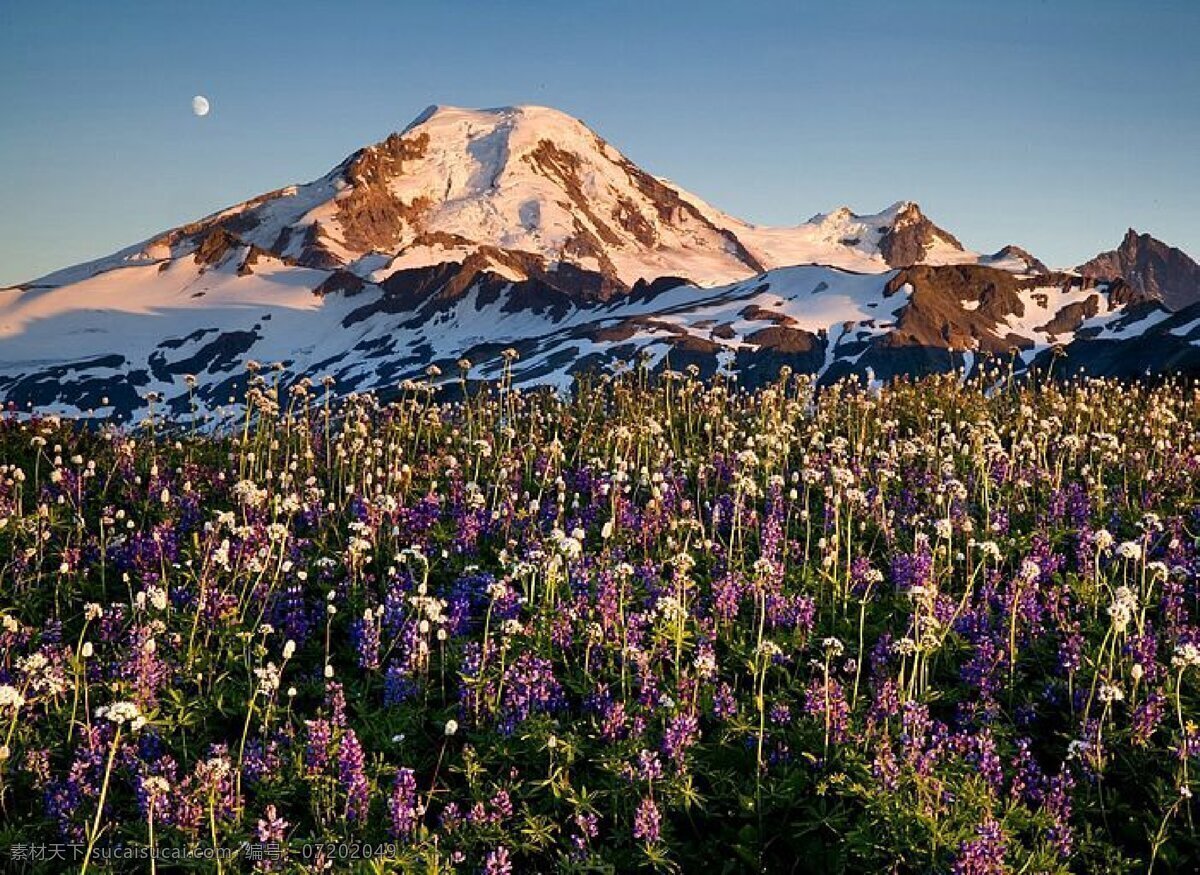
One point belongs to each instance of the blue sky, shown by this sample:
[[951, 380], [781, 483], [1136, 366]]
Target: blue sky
[[1054, 125]]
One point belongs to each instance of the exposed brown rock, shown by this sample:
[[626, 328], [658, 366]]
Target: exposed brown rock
[[782, 339], [314, 253], [1151, 269], [592, 238], [690, 343], [911, 236], [935, 317], [371, 217], [1070, 317], [215, 245], [756, 313], [340, 281], [615, 333]]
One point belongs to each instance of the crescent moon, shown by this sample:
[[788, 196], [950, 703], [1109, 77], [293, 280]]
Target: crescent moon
[[200, 105]]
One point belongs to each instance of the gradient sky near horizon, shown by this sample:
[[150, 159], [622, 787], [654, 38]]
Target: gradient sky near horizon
[[1053, 125]]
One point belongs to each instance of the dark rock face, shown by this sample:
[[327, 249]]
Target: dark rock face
[[1070, 317], [342, 281], [935, 315], [215, 245], [372, 218], [1150, 268], [965, 306], [911, 237]]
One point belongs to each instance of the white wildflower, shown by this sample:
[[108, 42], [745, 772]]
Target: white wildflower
[[1124, 606], [1186, 656], [1131, 550], [10, 698]]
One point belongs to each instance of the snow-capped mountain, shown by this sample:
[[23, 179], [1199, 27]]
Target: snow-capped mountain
[[474, 230]]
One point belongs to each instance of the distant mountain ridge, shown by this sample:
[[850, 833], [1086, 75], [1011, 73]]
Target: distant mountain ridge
[[472, 230]]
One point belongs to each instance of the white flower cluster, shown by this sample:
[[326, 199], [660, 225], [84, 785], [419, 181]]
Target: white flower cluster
[[121, 713], [10, 698], [249, 493], [670, 610], [990, 549], [268, 679], [1124, 606], [41, 675], [570, 546], [1186, 656], [833, 646], [1130, 550]]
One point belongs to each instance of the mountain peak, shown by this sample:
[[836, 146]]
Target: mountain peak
[[911, 238], [910, 210], [1016, 260], [442, 120], [1151, 268]]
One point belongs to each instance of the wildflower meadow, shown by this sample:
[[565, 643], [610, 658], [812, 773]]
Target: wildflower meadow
[[664, 624]]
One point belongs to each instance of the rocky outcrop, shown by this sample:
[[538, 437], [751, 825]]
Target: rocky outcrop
[[935, 315], [340, 282], [1150, 268], [912, 236], [215, 246], [370, 216]]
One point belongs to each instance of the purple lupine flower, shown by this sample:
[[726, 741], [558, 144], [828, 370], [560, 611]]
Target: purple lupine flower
[[291, 613], [335, 699], [985, 759], [529, 688], [498, 863], [1056, 801], [588, 827], [647, 822], [320, 737], [724, 703], [727, 593], [403, 805], [271, 827], [1028, 779], [271, 830], [364, 634], [826, 699], [1146, 717], [260, 760], [682, 732], [884, 767], [451, 817], [398, 684], [353, 778], [983, 855], [501, 805], [649, 766]]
